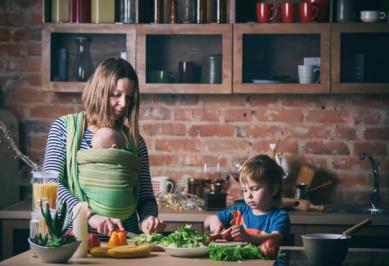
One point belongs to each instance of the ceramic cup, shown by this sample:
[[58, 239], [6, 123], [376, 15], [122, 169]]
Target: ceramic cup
[[308, 74], [162, 184], [370, 16]]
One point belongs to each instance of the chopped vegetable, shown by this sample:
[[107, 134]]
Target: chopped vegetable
[[153, 238], [237, 253], [185, 237]]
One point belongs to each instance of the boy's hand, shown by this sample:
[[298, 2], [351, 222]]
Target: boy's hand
[[239, 234], [215, 225]]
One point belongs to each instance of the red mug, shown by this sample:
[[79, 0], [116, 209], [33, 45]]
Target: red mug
[[308, 12], [266, 12], [324, 10], [288, 12]]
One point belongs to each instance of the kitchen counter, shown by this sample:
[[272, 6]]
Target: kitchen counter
[[295, 256], [22, 209]]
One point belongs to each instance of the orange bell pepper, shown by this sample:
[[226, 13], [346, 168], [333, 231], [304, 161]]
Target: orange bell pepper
[[114, 240], [123, 237]]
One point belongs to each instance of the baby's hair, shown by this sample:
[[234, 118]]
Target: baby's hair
[[264, 170]]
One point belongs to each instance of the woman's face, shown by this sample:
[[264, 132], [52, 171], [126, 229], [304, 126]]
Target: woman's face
[[121, 97]]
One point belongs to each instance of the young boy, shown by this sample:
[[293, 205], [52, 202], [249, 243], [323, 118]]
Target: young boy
[[259, 218], [106, 137]]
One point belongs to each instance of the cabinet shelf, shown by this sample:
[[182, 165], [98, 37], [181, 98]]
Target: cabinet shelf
[[162, 47], [266, 57], [106, 41], [360, 58]]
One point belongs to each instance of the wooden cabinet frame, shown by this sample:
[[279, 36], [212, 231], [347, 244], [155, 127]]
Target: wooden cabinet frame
[[340, 87], [49, 28], [225, 30], [323, 29]]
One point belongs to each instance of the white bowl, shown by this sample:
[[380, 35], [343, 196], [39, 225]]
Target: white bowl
[[186, 252], [54, 255]]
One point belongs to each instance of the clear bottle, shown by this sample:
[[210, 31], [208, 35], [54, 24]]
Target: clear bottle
[[83, 67]]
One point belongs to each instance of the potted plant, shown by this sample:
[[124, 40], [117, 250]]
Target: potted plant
[[57, 245]]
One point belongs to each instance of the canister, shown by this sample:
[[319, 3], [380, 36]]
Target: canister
[[80, 11], [60, 11], [103, 11], [212, 69], [44, 188], [127, 11]]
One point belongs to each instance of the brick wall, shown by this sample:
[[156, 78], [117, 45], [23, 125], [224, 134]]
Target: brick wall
[[183, 132]]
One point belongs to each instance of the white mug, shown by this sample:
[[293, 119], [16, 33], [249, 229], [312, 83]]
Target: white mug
[[308, 74], [162, 184], [370, 16]]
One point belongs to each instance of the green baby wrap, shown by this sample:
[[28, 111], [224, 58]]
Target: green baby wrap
[[105, 178]]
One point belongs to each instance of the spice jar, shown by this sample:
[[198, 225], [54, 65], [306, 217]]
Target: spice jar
[[201, 11], [221, 11], [301, 191], [127, 11], [195, 187]]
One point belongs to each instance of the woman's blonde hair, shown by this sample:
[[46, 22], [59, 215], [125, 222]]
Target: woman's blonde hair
[[97, 92], [264, 170]]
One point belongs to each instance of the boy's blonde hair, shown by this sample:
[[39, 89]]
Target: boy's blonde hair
[[264, 170], [97, 92]]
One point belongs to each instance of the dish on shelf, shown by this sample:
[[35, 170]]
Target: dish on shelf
[[265, 81], [186, 252]]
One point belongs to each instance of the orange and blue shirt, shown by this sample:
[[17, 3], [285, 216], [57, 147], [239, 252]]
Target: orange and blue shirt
[[242, 214]]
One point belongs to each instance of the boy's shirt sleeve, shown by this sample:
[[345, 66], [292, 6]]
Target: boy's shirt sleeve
[[225, 217], [281, 223]]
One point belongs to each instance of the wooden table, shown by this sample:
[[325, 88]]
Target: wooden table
[[156, 259]]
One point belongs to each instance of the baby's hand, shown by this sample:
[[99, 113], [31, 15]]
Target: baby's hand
[[114, 146]]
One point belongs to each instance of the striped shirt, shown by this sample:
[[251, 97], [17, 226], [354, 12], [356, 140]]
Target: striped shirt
[[55, 160]]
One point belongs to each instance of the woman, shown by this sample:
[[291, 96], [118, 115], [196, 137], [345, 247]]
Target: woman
[[110, 99]]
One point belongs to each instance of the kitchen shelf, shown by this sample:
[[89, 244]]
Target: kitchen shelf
[[270, 53], [360, 58], [161, 47], [106, 41]]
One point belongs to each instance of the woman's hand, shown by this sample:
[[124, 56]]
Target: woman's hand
[[105, 225], [152, 224]]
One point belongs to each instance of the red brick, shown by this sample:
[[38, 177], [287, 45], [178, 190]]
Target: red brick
[[33, 79], [234, 115], [65, 98], [341, 132], [166, 129], [262, 147], [376, 134], [12, 50], [212, 130], [324, 116], [24, 94], [263, 100], [373, 148], [46, 111], [224, 100], [163, 160], [349, 163], [373, 102], [287, 146], [316, 161], [329, 148], [24, 4], [254, 131], [198, 160], [31, 64], [12, 19], [36, 19], [305, 131], [176, 145], [352, 181], [34, 48], [283, 115], [220, 145], [19, 35], [5, 35], [155, 113], [301, 101], [367, 118], [196, 114], [36, 141]]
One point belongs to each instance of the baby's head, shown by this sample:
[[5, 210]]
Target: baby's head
[[264, 171], [106, 137]]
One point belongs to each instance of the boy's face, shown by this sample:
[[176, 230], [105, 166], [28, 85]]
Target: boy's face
[[257, 196]]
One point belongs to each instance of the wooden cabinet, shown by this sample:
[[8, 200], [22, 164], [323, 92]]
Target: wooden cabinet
[[163, 47], [105, 40], [255, 58], [360, 58], [266, 57]]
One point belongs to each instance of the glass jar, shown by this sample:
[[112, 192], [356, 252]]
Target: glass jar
[[301, 191], [83, 67], [185, 11], [212, 69], [127, 11], [221, 11], [201, 11], [37, 225], [44, 188]]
